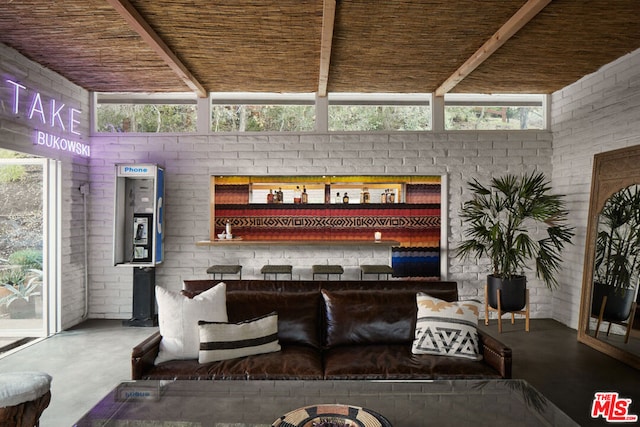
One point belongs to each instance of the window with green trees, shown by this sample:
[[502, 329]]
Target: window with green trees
[[262, 118], [463, 111], [493, 117], [379, 117], [241, 112], [147, 118]]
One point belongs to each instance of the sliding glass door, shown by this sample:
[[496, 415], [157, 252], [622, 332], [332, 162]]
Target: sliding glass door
[[27, 295]]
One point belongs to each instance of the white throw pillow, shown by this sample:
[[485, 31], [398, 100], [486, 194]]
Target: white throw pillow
[[222, 341], [447, 328], [178, 318]]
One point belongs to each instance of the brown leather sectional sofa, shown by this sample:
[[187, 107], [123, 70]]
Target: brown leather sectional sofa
[[330, 330]]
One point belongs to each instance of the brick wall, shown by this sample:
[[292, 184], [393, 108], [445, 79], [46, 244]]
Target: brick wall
[[17, 133], [598, 113], [189, 161]]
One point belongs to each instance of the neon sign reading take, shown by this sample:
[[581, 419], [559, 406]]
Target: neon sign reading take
[[54, 114]]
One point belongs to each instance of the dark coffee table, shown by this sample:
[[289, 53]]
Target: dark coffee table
[[260, 403]]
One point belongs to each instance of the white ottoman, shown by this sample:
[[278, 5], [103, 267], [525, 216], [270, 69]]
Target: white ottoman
[[23, 397]]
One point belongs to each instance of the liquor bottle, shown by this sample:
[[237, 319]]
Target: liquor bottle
[[366, 197], [383, 198], [338, 198], [297, 195], [270, 196], [305, 196], [392, 196], [345, 199], [279, 196], [228, 227]]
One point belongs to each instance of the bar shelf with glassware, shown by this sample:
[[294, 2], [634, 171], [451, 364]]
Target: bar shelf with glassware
[[400, 212]]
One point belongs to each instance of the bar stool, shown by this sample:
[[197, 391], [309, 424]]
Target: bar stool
[[327, 269], [224, 269], [23, 397], [378, 269], [276, 269]]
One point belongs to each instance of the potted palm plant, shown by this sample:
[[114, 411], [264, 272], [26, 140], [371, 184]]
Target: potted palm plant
[[617, 257], [503, 220]]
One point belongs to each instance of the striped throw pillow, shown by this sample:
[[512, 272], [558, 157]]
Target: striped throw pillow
[[222, 341], [447, 328]]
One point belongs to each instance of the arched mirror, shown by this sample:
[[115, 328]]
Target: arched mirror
[[609, 315]]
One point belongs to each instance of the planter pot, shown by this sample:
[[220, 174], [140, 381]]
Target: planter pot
[[513, 292], [22, 309], [618, 305]]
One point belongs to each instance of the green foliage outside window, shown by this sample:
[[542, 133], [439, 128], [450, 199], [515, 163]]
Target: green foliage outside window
[[150, 118], [11, 173], [27, 258], [493, 118], [379, 118], [262, 118], [181, 118]]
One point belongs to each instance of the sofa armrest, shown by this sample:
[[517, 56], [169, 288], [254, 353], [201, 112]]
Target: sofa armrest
[[143, 355], [496, 354]]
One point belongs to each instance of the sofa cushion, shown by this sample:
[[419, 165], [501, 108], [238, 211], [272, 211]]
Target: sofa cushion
[[178, 318], [396, 362], [374, 362], [298, 313], [221, 341], [292, 362], [447, 328], [369, 317]]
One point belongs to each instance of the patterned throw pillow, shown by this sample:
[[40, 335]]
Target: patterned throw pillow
[[222, 341], [447, 328]]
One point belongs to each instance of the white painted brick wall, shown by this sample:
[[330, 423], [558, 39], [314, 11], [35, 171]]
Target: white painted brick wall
[[600, 112], [18, 135], [189, 161]]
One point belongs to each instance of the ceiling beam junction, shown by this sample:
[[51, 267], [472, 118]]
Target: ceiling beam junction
[[328, 20], [526, 13], [142, 27]]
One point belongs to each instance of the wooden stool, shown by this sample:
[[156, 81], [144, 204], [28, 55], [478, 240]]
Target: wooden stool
[[224, 269], [488, 308], [327, 269], [276, 269], [375, 269], [23, 398]]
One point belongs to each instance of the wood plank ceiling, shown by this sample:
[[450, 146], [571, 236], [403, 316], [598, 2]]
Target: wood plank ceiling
[[396, 46]]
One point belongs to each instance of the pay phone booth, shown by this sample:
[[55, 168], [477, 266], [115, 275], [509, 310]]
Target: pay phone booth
[[137, 232]]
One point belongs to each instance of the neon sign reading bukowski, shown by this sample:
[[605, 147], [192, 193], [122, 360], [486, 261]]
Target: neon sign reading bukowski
[[53, 115]]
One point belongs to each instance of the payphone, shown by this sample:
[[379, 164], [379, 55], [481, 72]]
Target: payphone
[[139, 195], [142, 238], [138, 233]]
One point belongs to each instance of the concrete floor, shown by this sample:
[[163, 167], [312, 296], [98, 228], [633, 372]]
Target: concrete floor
[[85, 362], [91, 359]]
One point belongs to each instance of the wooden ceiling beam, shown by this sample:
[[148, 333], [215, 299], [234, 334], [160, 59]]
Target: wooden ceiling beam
[[328, 21], [526, 13], [142, 27]]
